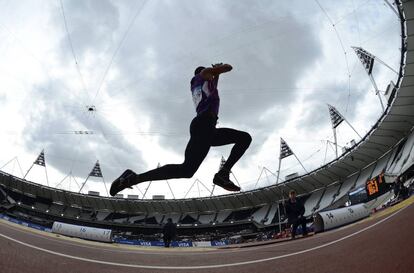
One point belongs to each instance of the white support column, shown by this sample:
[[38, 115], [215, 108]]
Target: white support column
[[353, 128], [205, 187], [24, 177], [300, 163], [145, 193], [258, 179], [336, 142], [47, 178], [107, 192], [278, 214], [377, 92], [170, 189], [192, 185], [212, 190], [278, 171], [58, 184], [83, 184]]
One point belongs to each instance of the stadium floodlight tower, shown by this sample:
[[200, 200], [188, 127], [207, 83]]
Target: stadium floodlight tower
[[336, 119], [285, 151], [96, 172], [41, 161], [367, 59]]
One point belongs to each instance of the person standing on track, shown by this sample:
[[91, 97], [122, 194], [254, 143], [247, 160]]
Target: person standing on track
[[203, 135], [169, 232], [295, 211]]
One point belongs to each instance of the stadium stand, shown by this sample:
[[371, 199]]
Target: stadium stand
[[328, 197], [4, 198], [121, 220], [118, 217], [364, 176], [56, 208], [240, 215], [41, 206], [176, 217], [207, 218], [189, 219], [222, 215], [87, 214], [381, 165], [101, 215], [151, 220], [133, 219], [312, 202], [159, 218], [402, 158], [346, 186], [272, 214], [260, 214], [72, 212]]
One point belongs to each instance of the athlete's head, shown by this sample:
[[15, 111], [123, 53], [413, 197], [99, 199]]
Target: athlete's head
[[198, 70], [292, 194]]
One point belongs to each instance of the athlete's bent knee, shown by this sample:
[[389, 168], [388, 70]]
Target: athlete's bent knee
[[246, 139]]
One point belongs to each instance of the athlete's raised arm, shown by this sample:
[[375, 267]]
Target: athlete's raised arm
[[210, 72]]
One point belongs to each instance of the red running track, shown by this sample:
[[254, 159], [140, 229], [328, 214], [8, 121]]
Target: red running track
[[382, 244]]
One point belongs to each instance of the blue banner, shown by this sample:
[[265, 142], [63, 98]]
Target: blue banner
[[24, 223], [219, 243], [161, 244], [152, 243]]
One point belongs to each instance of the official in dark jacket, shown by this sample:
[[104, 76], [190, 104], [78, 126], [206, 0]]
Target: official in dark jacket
[[295, 210], [169, 231]]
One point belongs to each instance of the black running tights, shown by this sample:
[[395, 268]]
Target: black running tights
[[204, 135]]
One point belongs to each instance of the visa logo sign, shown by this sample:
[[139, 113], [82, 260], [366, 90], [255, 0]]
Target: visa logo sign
[[184, 244], [145, 243]]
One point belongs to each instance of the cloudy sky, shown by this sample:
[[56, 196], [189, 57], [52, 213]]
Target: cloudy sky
[[132, 61]]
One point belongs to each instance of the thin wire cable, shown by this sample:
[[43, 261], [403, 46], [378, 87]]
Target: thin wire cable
[[33, 56], [343, 48], [351, 12], [117, 49], [121, 133], [73, 50], [357, 21]]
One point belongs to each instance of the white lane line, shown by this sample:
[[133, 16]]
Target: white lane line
[[216, 251], [204, 266]]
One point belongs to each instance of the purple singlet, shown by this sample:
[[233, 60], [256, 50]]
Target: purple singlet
[[205, 95]]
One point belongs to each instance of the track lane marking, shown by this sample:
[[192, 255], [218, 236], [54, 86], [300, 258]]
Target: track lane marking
[[217, 251]]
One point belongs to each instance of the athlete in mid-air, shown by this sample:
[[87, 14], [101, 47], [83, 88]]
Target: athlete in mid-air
[[203, 135]]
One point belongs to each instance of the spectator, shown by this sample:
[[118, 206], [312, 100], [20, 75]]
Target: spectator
[[169, 231], [295, 210], [400, 191], [397, 186]]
